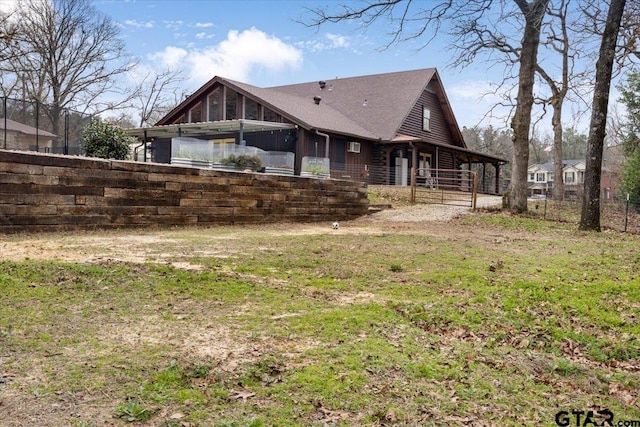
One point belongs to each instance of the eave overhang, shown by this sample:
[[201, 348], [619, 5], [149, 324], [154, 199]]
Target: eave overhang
[[470, 154], [223, 127]]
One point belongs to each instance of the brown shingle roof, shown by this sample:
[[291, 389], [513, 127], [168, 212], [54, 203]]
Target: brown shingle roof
[[303, 109], [378, 102], [370, 107]]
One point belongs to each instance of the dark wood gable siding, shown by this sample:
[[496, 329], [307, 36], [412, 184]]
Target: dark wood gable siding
[[440, 131]]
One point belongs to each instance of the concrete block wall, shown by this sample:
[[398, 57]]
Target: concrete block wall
[[41, 192]]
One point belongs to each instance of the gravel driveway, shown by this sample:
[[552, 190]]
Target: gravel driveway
[[431, 212]]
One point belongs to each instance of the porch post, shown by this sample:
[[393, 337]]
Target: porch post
[[484, 176], [388, 163], [414, 157], [144, 156], [242, 141]]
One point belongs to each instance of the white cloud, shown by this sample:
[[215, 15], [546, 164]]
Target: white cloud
[[471, 100], [136, 24], [328, 41], [173, 25], [172, 57], [204, 24], [474, 90], [236, 57], [337, 40], [204, 35]]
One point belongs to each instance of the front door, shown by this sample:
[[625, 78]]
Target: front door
[[402, 171]]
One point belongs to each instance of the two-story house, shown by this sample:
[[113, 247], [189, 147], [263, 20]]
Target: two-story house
[[541, 179], [374, 128]]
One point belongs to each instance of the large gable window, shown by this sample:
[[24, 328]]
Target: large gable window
[[231, 105], [215, 106], [250, 109], [426, 119], [195, 114], [270, 116]]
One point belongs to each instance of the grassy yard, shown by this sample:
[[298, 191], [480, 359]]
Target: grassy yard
[[488, 320]]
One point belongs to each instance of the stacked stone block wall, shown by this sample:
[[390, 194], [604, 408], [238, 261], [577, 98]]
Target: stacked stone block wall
[[49, 193]]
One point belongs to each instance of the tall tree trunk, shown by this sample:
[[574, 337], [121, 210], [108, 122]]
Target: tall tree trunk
[[590, 217], [521, 124], [558, 176]]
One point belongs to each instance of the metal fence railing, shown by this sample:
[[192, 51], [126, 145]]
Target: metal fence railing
[[383, 175], [33, 126], [618, 214], [444, 186]]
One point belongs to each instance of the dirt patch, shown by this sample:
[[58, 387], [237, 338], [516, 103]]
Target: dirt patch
[[142, 246]]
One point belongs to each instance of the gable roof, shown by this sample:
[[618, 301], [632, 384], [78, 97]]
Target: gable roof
[[303, 110], [378, 102], [548, 166], [370, 107]]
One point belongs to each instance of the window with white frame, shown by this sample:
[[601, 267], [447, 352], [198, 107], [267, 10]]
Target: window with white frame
[[426, 119], [541, 177], [532, 176], [569, 177]]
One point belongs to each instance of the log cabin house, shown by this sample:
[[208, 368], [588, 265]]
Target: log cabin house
[[372, 128]]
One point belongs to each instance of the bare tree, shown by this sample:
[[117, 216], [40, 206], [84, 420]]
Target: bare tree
[[539, 148], [156, 95], [472, 32], [590, 215], [8, 35], [558, 39], [67, 56], [533, 13]]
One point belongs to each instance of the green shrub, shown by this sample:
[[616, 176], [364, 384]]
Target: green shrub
[[106, 141]]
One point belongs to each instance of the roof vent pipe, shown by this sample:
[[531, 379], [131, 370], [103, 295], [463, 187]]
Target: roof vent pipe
[[322, 84], [317, 100]]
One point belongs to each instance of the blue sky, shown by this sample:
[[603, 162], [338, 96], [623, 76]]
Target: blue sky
[[260, 42]]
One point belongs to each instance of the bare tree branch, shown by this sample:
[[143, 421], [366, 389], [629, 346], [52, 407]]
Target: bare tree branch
[[68, 55]]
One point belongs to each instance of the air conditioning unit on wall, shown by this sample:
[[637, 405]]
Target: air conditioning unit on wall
[[353, 147]]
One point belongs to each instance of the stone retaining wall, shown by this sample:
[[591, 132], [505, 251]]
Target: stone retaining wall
[[48, 193]]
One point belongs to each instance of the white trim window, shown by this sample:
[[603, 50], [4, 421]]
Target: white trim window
[[569, 177], [541, 177], [426, 119]]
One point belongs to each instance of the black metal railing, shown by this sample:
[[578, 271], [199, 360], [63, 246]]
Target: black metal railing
[[34, 126]]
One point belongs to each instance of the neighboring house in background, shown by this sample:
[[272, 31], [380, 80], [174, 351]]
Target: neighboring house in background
[[374, 128], [18, 136], [541, 178]]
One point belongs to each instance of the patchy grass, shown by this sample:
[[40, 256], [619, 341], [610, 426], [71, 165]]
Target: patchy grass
[[488, 320]]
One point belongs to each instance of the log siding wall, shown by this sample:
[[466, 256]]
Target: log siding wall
[[50, 193], [439, 129]]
